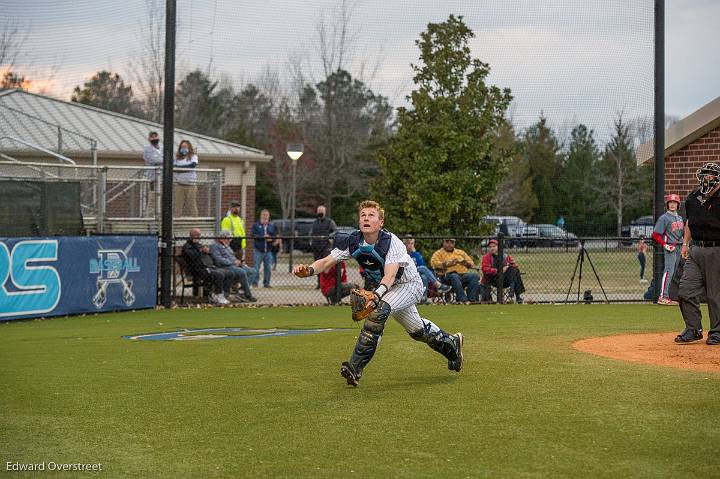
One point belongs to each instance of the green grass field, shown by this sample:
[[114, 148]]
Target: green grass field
[[526, 405]]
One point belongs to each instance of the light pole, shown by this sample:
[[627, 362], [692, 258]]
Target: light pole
[[294, 151]]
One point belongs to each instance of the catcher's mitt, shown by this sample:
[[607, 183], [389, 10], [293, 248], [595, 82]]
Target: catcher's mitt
[[304, 271], [362, 303]]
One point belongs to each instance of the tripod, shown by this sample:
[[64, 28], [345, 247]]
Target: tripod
[[582, 253]]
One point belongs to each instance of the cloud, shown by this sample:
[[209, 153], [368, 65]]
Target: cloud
[[570, 59]]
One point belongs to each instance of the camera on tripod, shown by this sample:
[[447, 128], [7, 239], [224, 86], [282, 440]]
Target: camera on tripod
[[587, 296]]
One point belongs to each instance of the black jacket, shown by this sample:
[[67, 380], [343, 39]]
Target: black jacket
[[197, 261]]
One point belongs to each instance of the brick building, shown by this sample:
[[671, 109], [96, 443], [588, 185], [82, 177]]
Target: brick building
[[689, 143]]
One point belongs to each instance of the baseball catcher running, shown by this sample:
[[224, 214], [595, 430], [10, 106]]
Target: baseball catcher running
[[396, 289]]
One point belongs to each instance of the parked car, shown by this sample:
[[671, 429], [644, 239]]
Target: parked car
[[507, 225], [547, 235], [529, 235], [639, 227], [513, 224], [554, 236], [302, 231]]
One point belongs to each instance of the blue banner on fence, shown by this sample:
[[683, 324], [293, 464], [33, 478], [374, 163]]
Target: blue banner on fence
[[71, 275]]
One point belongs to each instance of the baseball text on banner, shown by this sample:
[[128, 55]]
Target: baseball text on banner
[[70, 275]]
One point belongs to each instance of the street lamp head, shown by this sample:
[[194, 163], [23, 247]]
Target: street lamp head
[[295, 150]]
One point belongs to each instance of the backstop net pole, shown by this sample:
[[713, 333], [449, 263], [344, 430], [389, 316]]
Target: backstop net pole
[[166, 265], [658, 257]]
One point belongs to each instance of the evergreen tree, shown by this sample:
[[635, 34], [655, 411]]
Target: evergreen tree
[[542, 149], [197, 105], [107, 91], [441, 170], [620, 184], [580, 205], [515, 196]]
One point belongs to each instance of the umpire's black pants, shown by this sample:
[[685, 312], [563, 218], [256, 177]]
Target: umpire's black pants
[[701, 275]]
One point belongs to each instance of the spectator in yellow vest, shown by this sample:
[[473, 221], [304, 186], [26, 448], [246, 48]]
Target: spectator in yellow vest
[[235, 224]]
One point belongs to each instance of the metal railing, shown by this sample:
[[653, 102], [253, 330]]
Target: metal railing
[[123, 199], [34, 147]]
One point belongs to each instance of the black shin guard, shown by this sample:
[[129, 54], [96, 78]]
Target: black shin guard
[[369, 338], [441, 342], [364, 350]]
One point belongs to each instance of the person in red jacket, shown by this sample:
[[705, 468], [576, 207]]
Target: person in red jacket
[[491, 263], [328, 281]]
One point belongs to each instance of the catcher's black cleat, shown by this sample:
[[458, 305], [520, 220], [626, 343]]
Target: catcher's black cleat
[[689, 336], [349, 374], [713, 339], [457, 364]]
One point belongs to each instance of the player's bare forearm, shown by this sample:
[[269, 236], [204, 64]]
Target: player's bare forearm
[[390, 272], [323, 264], [317, 267]]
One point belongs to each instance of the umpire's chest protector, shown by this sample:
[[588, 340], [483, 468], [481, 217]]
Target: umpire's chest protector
[[370, 256]]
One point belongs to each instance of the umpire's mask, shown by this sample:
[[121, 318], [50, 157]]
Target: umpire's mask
[[709, 178]]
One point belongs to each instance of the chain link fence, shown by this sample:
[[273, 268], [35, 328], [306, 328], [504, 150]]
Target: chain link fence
[[599, 269]]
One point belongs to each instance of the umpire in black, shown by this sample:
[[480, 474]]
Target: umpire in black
[[701, 249]]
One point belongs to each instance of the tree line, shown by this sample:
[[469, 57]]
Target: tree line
[[437, 166]]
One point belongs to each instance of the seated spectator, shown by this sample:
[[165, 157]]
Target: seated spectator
[[328, 281], [511, 273], [224, 258], [426, 274], [453, 267], [201, 267]]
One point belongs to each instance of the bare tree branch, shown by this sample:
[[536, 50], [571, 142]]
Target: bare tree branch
[[12, 39], [147, 70]]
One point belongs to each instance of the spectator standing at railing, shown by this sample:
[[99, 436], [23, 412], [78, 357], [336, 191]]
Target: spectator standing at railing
[[668, 233], [152, 156], [264, 236], [186, 181], [235, 224]]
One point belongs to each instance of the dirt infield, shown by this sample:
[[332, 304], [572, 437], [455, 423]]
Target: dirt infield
[[655, 348]]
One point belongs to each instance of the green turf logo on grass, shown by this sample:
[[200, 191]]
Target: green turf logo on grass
[[225, 333]]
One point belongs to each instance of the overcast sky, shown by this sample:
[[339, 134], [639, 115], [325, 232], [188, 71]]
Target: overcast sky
[[576, 61]]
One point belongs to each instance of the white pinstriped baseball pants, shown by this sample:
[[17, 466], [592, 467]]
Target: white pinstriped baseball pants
[[402, 299]]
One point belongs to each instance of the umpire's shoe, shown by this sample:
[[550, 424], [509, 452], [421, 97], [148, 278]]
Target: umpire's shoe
[[713, 339], [347, 371], [457, 364], [689, 336]]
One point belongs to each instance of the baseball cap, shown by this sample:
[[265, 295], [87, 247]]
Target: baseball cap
[[235, 204], [492, 241], [449, 239]]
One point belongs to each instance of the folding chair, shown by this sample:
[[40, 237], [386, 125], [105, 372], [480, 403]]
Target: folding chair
[[185, 280]]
